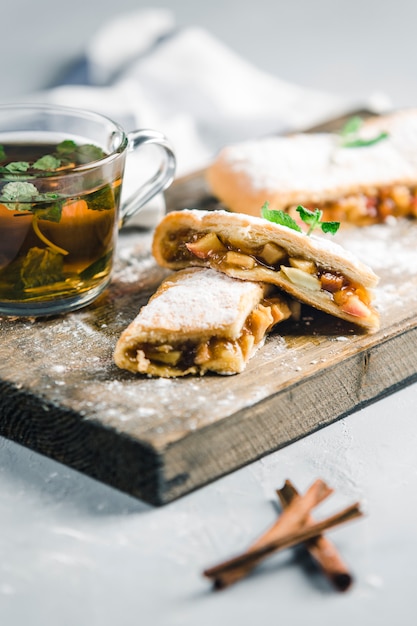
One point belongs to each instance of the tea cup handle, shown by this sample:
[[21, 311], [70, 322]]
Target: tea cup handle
[[159, 181]]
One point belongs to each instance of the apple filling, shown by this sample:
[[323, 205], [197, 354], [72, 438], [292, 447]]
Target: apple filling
[[215, 354], [303, 273], [372, 207]]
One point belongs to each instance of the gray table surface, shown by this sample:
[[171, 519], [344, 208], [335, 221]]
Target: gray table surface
[[74, 551]]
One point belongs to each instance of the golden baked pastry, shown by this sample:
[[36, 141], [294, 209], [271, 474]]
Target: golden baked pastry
[[200, 320], [361, 178], [312, 269]]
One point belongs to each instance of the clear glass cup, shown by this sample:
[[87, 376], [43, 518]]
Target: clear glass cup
[[61, 176]]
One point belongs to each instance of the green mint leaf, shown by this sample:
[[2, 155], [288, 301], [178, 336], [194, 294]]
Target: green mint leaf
[[47, 163], [17, 166], [350, 135], [279, 217], [51, 212], [6, 175], [18, 192], [87, 153], [101, 200], [313, 219], [69, 151], [362, 143], [96, 267], [66, 147], [352, 126], [41, 267], [2, 153], [24, 196], [309, 217], [330, 227]]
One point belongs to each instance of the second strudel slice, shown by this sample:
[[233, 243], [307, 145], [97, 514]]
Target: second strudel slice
[[200, 320]]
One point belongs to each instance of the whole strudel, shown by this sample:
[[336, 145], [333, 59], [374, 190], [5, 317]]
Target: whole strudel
[[200, 320], [359, 176], [312, 269]]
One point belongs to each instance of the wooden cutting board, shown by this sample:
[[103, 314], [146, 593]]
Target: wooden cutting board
[[157, 439]]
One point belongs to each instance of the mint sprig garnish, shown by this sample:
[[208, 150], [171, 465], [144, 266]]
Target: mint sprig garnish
[[279, 217], [350, 137], [313, 219]]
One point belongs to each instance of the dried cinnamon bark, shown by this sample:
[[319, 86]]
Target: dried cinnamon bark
[[293, 518], [294, 526], [320, 548]]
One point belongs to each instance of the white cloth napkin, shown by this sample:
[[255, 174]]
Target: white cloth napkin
[[144, 72]]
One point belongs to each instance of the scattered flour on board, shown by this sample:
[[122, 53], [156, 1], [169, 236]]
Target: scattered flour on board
[[390, 246], [390, 250]]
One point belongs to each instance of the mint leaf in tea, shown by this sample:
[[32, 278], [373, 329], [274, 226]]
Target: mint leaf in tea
[[56, 224], [48, 163], [41, 267]]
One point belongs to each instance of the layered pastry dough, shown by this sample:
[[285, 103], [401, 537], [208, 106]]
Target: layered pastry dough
[[360, 185], [200, 320], [312, 269]]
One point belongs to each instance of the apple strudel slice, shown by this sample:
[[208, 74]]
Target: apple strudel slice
[[311, 269], [200, 320]]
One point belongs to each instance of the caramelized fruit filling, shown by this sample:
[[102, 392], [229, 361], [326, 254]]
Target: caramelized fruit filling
[[370, 208], [303, 273], [206, 354]]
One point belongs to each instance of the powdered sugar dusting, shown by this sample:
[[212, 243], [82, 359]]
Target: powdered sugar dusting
[[390, 246], [212, 300], [318, 162]]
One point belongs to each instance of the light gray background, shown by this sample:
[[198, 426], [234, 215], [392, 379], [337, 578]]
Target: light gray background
[[348, 47], [75, 552]]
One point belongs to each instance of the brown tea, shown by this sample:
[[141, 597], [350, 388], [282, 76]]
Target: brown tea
[[56, 231]]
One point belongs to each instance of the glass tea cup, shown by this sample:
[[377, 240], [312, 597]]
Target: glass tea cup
[[61, 175]]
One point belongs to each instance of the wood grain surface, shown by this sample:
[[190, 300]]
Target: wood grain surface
[[158, 439]]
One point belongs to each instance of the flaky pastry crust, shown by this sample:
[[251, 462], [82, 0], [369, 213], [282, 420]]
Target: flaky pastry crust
[[175, 245]]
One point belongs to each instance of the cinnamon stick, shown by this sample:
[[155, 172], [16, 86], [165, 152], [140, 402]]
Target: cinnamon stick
[[309, 531], [294, 526], [295, 514], [293, 517], [321, 549]]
